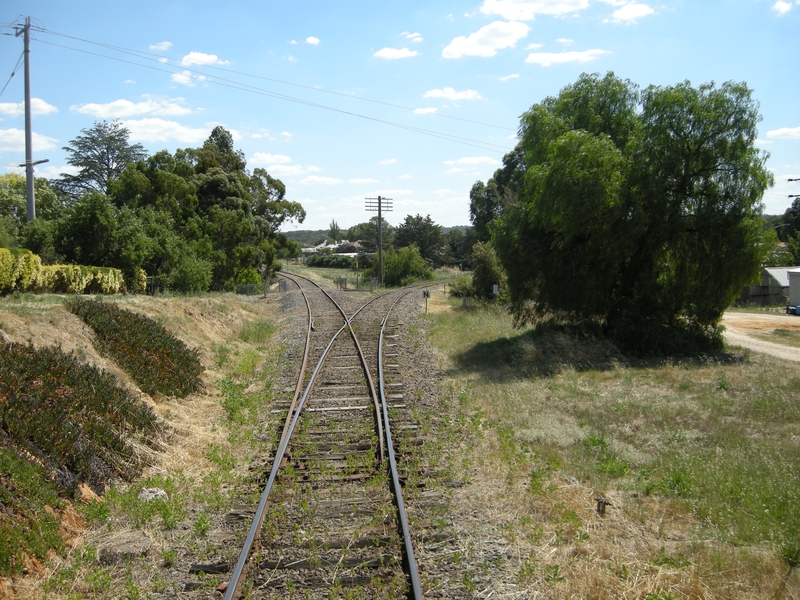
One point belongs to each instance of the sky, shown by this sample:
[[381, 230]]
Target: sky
[[409, 100]]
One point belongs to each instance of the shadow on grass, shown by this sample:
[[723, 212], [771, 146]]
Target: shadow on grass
[[550, 348]]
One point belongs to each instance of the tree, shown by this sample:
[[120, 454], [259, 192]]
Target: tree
[[423, 233], [488, 201], [487, 273], [334, 231], [367, 234], [640, 210], [101, 154], [402, 266]]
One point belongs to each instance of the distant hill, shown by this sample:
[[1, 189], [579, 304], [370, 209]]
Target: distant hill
[[307, 238]]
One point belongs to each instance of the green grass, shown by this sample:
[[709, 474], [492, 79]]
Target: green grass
[[257, 332], [715, 434], [787, 337]]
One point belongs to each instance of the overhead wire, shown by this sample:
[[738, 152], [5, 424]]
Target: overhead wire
[[14, 72], [199, 75], [159, 57]]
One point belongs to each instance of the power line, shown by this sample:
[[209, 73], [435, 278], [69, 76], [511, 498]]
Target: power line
[[488, 146], [159, 57], [14, 72]]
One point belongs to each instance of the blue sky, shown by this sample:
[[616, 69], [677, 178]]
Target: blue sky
[[344, 100]]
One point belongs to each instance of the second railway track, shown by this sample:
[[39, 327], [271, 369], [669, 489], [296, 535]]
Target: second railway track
[[331, 516]]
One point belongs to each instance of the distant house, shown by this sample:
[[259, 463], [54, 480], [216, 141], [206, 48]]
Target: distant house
[[773, 289]]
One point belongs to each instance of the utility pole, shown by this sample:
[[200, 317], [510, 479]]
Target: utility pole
[[26, 33], [379, 205]]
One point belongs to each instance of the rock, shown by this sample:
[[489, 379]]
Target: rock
[[124, 546], [148, 494], [86, 495]]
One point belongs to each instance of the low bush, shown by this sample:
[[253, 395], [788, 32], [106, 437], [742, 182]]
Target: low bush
[[71, 415], [332, 261], [155, 359]]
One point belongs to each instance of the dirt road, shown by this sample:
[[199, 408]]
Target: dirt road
[[742, 325]]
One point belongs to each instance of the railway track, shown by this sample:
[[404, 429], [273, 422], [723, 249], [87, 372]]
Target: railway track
[[331, 516]]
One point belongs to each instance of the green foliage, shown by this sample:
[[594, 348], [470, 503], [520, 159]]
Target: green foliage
[[423, 233], [69, 413], [101, 154], [403, 266], [641, 210], [662, 559], [154, 358], [487, 272], [25, 527], [331, 261]]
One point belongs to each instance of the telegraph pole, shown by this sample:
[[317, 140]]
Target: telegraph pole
[[379, 205], [25, 31]]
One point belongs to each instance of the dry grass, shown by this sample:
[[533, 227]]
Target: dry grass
[[684, 452], [196, 468]]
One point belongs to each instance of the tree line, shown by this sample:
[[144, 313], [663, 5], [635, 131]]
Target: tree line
[[196, 219]]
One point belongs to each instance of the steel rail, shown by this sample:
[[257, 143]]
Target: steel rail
[[258, 517], [370, 383], [301, 377], [413, 572]]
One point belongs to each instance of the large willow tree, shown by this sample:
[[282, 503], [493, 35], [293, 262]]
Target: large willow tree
[[639, 209]]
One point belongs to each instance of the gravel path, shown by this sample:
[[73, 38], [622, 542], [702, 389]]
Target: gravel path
[[737, 337]]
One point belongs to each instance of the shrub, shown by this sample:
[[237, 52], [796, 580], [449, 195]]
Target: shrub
[[69, 413], [332, 261], [153, 357], [403, 266], [190, 275], [487, 271]]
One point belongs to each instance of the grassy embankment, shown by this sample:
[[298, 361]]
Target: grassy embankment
[[699, 458], [209, 425]]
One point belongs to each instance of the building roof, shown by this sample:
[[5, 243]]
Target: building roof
[[781, 274]]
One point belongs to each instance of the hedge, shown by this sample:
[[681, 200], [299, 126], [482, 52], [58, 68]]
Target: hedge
[[21, 270]]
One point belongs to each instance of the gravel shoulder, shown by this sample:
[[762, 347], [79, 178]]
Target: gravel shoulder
[[741, 326]]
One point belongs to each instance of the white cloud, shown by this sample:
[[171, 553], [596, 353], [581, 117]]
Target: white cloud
[[13, 140], [200, 58], [450, 94], [54, 171], [785, 133], [473, 160], [129, 81], [782, 7], [262, 158], [487, 40], [161, 46], [406, 177], [395, 53], [292, 170], [317, 179], [388, 161], [157, 130], [414, 37], [507, 77], [565, 41], [362, 181], [293, 42], [286, 134], [17, 109], [547, 59], [524, 10], [314, 41], [533, 46], [188, 78], [631, 12], [424, 111], [163, 60], [125, 108]]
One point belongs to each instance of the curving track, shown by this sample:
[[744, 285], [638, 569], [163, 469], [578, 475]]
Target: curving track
[[331, 515]]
